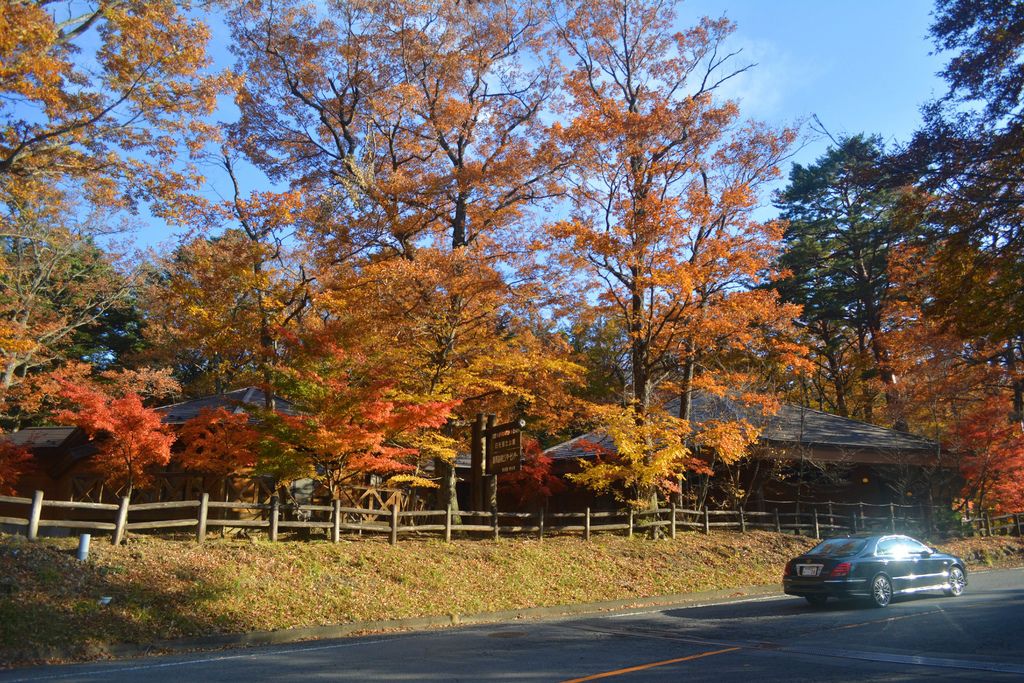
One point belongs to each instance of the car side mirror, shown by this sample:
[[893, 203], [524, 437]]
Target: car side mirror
[[925, 553]]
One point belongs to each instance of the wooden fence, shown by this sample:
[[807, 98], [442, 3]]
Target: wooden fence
[[204, 514]]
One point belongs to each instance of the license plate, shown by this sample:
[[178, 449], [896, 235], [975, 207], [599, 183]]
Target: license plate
[[808, 569]]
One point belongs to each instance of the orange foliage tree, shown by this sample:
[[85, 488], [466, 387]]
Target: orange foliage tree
[[219, 442], [411, 119], [415, 129], [218, 304], [944, 377], [354, 421], [129, 438], [55, 281], [40, 394], [662, 237], [110, 92], [992, 460], [14, 461], [102, 107]]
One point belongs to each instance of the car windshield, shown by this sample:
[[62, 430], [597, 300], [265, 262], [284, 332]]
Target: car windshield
[[837, 547]]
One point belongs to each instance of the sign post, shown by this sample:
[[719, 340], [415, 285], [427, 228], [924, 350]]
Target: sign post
[[495, 449], [476, 464], [505, 447]]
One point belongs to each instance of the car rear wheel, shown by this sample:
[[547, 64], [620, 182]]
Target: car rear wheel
[[881, 590], [816, 600], [957, 582]]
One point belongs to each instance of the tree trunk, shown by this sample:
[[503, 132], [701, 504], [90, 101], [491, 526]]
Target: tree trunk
[[447, 494], [1018, 384], [686, 395]]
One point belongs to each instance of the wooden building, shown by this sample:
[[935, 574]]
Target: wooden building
[[803, 455]]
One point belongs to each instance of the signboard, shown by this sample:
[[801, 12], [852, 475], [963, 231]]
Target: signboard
[[505, 450]]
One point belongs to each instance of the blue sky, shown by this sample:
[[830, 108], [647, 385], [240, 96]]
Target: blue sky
[[861, 66]]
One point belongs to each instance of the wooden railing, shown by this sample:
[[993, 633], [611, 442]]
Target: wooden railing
[[204, 514]]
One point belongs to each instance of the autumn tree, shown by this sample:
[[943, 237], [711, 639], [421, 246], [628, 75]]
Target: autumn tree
[[534, 483], [992, 461], [219, 303], [966, 161], [219, 442], [417, 128], [55, 282], [649, 455], [354, 420], [421, 119], [14, 461], [108, 96], [665, 179], [103, 104], [129, 438]]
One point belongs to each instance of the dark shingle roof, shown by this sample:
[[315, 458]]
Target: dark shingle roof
[[233, 401], [40, 437], [791, 426]]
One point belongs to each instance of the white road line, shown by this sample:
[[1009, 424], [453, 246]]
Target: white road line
[[916, 660], [78, 673], [664, 608]]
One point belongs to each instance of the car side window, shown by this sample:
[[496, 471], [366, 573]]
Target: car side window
[[915, 547], [887, 546]]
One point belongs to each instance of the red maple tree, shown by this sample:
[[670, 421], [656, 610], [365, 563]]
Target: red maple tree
[[535, 482], [14, 461], [219, 442], [129, 438], [993, 457]]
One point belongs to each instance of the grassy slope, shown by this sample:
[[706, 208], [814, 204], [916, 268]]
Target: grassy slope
[[166, 589]]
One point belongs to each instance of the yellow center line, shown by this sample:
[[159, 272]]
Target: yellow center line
[[642, 667], [886, 620]]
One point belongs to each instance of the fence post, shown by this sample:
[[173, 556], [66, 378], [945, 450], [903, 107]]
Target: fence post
[[1016, 522], [831, 518], [707, 521], [204, 511], [672, 522], [394, 523], [743, 522], [853, 522], [988, 524], [540, 527], [448, 524], [778, 522], [494, 517], [336, 519], [275, 510], [34, 515], [892, 517], [817, 529], [631, 522], [122, 521], [862, 524], [586, 525]]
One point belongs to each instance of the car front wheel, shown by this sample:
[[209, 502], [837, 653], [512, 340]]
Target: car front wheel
[[957, 582], [881, 590]]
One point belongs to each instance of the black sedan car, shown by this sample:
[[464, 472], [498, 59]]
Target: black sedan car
[[875, 567]]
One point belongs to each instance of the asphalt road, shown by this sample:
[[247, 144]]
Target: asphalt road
[[977, 636]]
